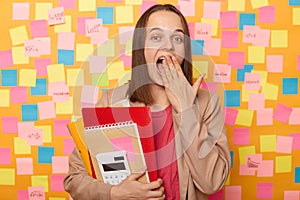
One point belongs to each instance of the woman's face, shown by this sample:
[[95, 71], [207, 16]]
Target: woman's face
[[164, 38]]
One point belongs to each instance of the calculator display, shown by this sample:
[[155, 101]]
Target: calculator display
[[113, 166]]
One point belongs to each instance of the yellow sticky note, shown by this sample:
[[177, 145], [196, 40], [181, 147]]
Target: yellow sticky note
[[296, 16], [279, 38], [244, 151], [41, 10], [200, 67], [5, 98], [115, 70], [259, 3], [128, 47], [283, 164], [101, 79], [21, 146], [268, 143], [18, 35], [214, 25], [75, 77], [124, 14], [65, 27], [270, 91], [7, 176], [263, 76], [18, 55], [245, 93], [244, 117], [236, 5], [27, 77], [83, 52], [56, 73], [86, 5], [64, 107], [47, 133], [40, 181], [133, 2], [107, 48], [228, 180], [256, 54], [124, 78]]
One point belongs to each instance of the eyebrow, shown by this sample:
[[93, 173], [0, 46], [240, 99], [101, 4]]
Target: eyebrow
[[160, 29]]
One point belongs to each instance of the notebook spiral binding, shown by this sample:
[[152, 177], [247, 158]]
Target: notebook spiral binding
[[109, 126]]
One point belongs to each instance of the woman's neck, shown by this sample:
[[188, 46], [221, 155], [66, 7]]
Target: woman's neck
[[160, 98]]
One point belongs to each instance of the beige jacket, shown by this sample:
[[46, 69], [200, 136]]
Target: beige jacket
[[201, 147]]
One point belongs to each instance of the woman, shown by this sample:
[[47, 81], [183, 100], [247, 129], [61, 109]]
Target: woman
[[191, 143]]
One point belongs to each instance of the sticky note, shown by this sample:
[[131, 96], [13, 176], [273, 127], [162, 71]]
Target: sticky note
[[56, 16], [39, 28], [241, 136], [40, 65], [296, 16], [244, 117], [236, 59], [187, 8], [56, 73], [27, 77], [244, 151], [65, 27], [245, 93], [60, 164], [264, 116], [24, 128], [228, 19], [222, 73], [89, 94], [100, 37], [256, 54], [262, 38], [36, 192], [66, 40], [284, 144], [35, 137], [214, 24], [294, 3], [83, 51], [92, 26], [283, 164], [252, 81], [232, 98], [65, 57], [297, 174], [229, 39], [24, 166], [101, 80], [29, 112], [289, 86], [270, 91], [45, 47], [106, 14], [97, 64], [86, 5], [274, 63], [282, 113], [236, 5], [115, 70], [253, 161], [45, 154], [6, 59], [241, 72], [291, 195], [125, 33], [266, 168], [64, 107], [256, 101], [18, 55], [233, 192], [18, 35], [245, 171], [46, 133], [7, 176], [250, 33], [46, 110], [212, 47], [56, 182], [18, 95], [59, 91], [268, 143], [191, 26], [211, 10], [295, 116], [264, 190], [32, 48], [197, 47], [230, 116], [40, 88], [259, 3], [21, 146], [60, 128], [279, 38], [68, 146], [5, 98], [107, 48], [41, 10], [40, 183], [81, 24], [9, 77], [247, 19], [266, 14], [5, 155], [202, 31], [124, 14], [67, 4], [75, 77], [20, 11], [9, 124]]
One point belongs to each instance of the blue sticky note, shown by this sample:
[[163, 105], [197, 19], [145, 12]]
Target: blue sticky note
[[40, 88], [294, 2], [106, 14], [197, 47], [240, 73], [231, 158], [65, 57], [290, 86], [247, 19], [29, 112], [232, 98], [297, 174], [45, 154], [9, 77]]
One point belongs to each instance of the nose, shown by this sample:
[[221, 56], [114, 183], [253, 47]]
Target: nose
[[168, 45]]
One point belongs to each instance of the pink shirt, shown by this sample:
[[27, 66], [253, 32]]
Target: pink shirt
[[165, 152]]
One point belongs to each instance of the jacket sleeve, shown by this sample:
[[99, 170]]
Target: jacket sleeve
[[204, 143]]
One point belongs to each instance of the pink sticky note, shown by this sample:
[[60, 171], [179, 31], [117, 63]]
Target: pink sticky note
[[236, 59], [24, 166], [282, 113], [212, 10], [20, 11], [222, 73], [298, 62], [69, 146], [230, 39], [266, 168], [245, 171], [124, 143], [253, 161], [39, 28], [295, 116], [256, 101], [45, 48], [35, 137], [81, 24], [212, 47], [187, 8], [252, 81], [6, 59], [284, 144], [212, 87], [230, 116], [66, 40], [59, 91], [40, 65], [262, 38], [60, 164], [266, 14], [126, 59], [228, 19], [191, 26], [250, 33], [233, 192], [145, 5], [100, 37], [18, 94], [23, 195], [56, 182], [36, 193], [92, 26], [274, 63], [56, 16], [46, 110], [296, 141], [5, 156], [9, 124], [291, 195], [97, 64], [264, 190], [60, 128], [125, 33], [67, 4], [217, 196], [202, 31], [32, 48], [241, 136], [264, 117], [89, 94]]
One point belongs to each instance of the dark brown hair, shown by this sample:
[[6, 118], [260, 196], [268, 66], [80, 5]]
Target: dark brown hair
[[139, 88]]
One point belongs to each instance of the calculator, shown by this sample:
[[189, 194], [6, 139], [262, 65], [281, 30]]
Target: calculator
[[114, 166]]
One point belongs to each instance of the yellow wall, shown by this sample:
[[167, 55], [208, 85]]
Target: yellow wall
[[25, 166]]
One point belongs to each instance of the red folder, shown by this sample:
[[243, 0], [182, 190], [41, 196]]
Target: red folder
[[139, 115]]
